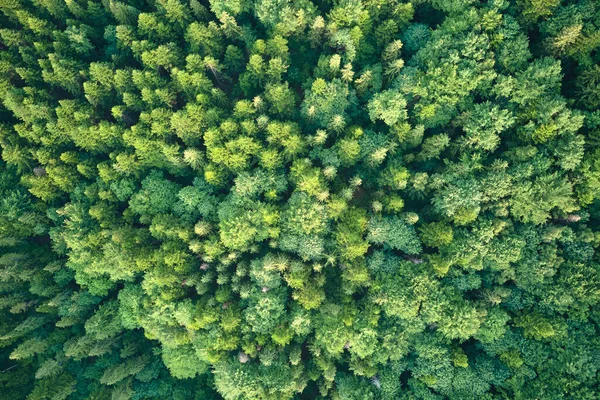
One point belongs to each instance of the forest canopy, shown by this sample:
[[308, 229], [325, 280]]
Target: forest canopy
[[309, 199]]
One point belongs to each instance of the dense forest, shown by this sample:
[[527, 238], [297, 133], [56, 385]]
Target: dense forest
[[308, 199]]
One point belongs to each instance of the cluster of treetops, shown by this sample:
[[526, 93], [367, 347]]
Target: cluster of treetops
[[274, 199]]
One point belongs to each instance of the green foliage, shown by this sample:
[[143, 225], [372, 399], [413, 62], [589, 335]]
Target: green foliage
[[182, 362], [354, 199], [325, 101], [389, 107], [395, 233]]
